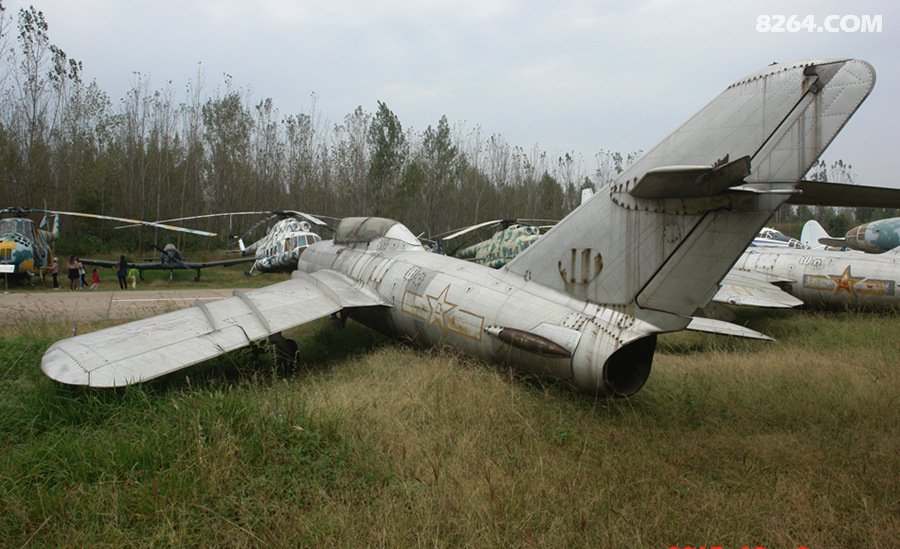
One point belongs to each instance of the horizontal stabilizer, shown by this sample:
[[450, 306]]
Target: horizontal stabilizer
[[821, 193], [720, 327], [691, 181], [754, 289], [833, 242]]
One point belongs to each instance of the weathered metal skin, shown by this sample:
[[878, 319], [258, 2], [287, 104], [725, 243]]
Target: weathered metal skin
[[437, 300], [680, 216], [584, 303], [831, 279]]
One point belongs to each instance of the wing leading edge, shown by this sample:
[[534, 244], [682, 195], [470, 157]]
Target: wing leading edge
[[146, 349]]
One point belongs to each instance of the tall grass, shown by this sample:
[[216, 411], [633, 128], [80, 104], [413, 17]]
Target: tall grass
[[732, 443]]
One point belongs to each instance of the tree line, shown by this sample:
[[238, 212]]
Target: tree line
[[65, 145]]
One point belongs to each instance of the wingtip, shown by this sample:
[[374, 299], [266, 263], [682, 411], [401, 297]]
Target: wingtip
[[59, 366]]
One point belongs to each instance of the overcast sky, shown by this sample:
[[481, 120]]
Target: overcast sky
[[567, 75]]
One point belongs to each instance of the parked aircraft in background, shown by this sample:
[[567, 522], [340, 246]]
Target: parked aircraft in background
[[584, 303], [281, 246], [819, 276], [170, 260], [773, 238], [280, 249], [26, 249], [509, 237], [874, 237], [829, 278]]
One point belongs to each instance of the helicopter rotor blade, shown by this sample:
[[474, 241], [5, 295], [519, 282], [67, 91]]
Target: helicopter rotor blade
[[128, 220]]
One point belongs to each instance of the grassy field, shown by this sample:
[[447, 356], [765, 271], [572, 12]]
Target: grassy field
[[731, 443]]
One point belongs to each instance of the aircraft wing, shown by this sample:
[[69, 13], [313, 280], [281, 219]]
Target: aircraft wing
[[100, 262], [754, 289], [219, 263], [114, 264], [152, 347]]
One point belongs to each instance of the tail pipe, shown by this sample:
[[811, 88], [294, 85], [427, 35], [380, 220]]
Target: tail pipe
[[623, 372]]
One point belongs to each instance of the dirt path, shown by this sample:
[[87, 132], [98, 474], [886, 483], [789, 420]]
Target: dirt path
[[85, 305]]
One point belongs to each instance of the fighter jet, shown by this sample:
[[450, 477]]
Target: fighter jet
[[820, 278], [583, 304]]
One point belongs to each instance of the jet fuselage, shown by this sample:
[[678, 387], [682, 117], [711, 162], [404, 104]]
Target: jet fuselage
[[831, 278], [496, 316]]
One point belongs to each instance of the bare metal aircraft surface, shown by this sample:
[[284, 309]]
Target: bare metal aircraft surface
[[825, 278], [585, 302], [820, 276]]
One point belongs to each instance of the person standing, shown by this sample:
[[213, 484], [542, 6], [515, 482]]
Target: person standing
[[122, 272], [81, 281], [54, 271], [95, 279], [73, 273], [133, 274]]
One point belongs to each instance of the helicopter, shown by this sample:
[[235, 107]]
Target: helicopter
[[279, 250], [276, 252], [26, 250]]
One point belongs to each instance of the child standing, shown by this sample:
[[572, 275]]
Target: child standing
[[95, 279], [133, 275]]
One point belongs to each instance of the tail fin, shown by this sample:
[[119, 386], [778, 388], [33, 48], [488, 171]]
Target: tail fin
[[665, 232], [812, 233]]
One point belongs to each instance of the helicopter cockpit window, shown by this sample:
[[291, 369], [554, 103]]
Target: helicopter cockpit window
[[7, 226]]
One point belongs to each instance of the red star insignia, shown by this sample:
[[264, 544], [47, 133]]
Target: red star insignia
[[845, 281]]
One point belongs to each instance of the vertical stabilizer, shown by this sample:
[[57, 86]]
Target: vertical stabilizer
[[812, 232], [665, 232]]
